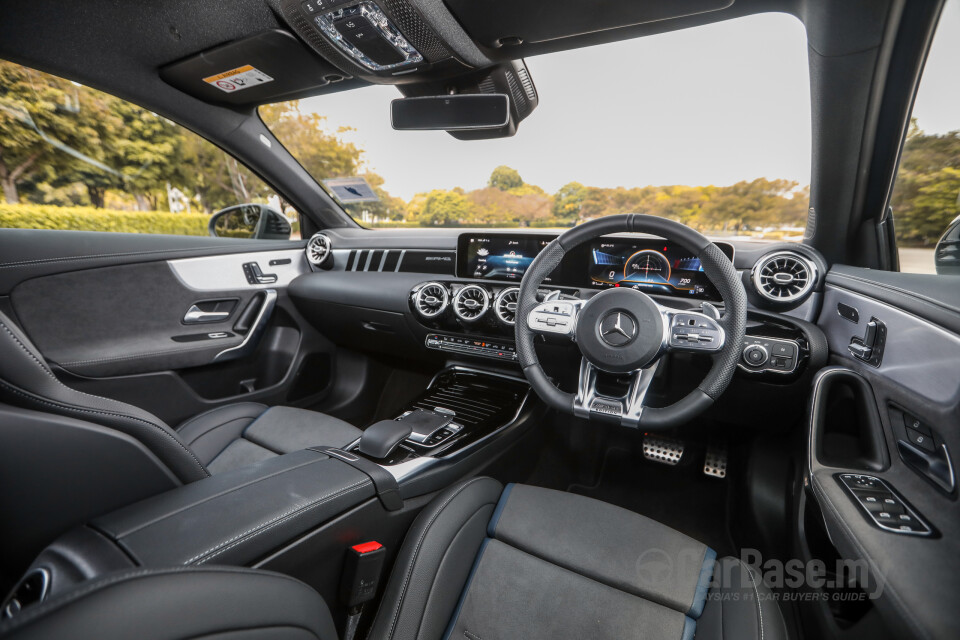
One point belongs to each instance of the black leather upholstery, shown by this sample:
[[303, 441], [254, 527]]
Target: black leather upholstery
[[237, 434], [485, 562], [178, 604], [480, 562], [217, 440]]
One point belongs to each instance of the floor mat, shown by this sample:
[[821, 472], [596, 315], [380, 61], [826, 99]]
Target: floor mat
[[680, 496]]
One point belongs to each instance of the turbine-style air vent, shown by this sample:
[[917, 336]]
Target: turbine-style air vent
[[471, 302], [431, 299], [784, 276], [505, 306], [318, 249]]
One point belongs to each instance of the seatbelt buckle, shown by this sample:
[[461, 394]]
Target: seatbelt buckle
[[361, 573]]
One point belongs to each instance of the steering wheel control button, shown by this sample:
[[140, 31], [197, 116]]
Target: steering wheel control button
[[554, 316], [883, 506]]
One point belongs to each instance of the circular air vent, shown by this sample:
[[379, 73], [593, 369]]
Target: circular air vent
[[318, 249], [471, 302], [784, 276], [505, 306], [431, 299]]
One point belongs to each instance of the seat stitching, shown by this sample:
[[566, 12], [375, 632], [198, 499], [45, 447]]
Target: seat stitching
[[27, 351], [756, 593], [212, 410], [264, 526], [67, 407], [211, 428], [433, 582], [416, 552]]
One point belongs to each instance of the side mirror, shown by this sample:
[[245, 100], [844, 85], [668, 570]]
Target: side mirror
[[946, 256], [249, 221]]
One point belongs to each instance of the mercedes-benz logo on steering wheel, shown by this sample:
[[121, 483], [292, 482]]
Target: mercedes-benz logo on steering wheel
[[618, 329]]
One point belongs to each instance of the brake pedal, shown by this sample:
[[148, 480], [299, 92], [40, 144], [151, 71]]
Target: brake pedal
[[715, 462], [661, 449]]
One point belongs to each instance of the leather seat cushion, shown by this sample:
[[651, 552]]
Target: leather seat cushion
[[525, 562], [243, 433], [179, 604]]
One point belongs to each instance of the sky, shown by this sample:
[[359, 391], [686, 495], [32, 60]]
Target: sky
[[937, 107], [710, 105]]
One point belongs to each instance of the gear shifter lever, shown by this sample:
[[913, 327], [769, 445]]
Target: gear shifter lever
[[380, 438]]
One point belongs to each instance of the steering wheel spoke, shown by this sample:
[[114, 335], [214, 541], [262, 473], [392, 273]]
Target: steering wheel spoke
[[625, 409], [696, 331], [555, 317]]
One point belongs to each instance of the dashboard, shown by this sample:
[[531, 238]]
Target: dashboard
[[651, 265]]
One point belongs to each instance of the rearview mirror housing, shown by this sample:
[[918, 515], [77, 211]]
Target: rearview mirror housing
[[485, 89], [456, 112]]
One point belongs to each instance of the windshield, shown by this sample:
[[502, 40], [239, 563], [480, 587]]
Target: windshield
[[710, 126]]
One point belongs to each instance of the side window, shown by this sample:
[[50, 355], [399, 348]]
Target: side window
[[926, 194], [78, 159]]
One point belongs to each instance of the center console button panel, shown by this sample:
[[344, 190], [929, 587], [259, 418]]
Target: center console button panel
[[497, 349], [883, 506]]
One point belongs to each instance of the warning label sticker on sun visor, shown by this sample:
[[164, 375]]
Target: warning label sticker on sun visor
[[237, 79]]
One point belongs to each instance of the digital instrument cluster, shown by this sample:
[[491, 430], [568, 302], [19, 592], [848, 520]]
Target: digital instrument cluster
[[650, 265]]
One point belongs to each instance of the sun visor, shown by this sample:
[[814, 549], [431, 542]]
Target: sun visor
[[267, 67], [504, 23]]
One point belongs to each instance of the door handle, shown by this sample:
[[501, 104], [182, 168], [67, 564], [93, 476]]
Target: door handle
[[195, 314], [257, 328]]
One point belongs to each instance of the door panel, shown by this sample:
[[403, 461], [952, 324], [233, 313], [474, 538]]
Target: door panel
[[111, 315], [896, 420]]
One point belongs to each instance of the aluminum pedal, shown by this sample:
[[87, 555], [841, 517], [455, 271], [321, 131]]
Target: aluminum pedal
[[661, 449], [715, 462]]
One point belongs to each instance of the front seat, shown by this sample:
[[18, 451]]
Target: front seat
[[218, 440], [487, 562], [481, 562]]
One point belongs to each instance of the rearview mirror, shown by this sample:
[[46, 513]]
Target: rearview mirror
[[249, 221], [451, 112]]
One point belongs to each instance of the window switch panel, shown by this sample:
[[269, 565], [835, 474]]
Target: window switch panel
[[883, 506]]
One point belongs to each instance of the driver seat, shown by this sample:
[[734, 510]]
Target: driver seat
[[481, 562]]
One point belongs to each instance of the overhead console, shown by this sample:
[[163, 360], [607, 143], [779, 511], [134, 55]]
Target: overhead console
[[383, 40]]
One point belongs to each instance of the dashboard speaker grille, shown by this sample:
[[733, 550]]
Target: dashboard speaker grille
[[505, 305], [431, 299], [471, 302], [784, 276]]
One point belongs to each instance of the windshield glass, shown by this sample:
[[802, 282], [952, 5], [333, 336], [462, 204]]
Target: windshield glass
[[709, 126]]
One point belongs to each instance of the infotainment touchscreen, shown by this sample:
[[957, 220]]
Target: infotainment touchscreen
[[498, 256], [652, 266]]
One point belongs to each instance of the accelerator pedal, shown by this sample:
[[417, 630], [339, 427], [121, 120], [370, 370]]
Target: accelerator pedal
[[662, 449], [715, 462]]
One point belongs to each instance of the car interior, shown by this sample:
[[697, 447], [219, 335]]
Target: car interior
[[624, 428]]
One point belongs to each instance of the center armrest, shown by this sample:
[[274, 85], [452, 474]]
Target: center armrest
[[238, 516]]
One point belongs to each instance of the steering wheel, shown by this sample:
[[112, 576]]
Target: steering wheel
[[623, 331]]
